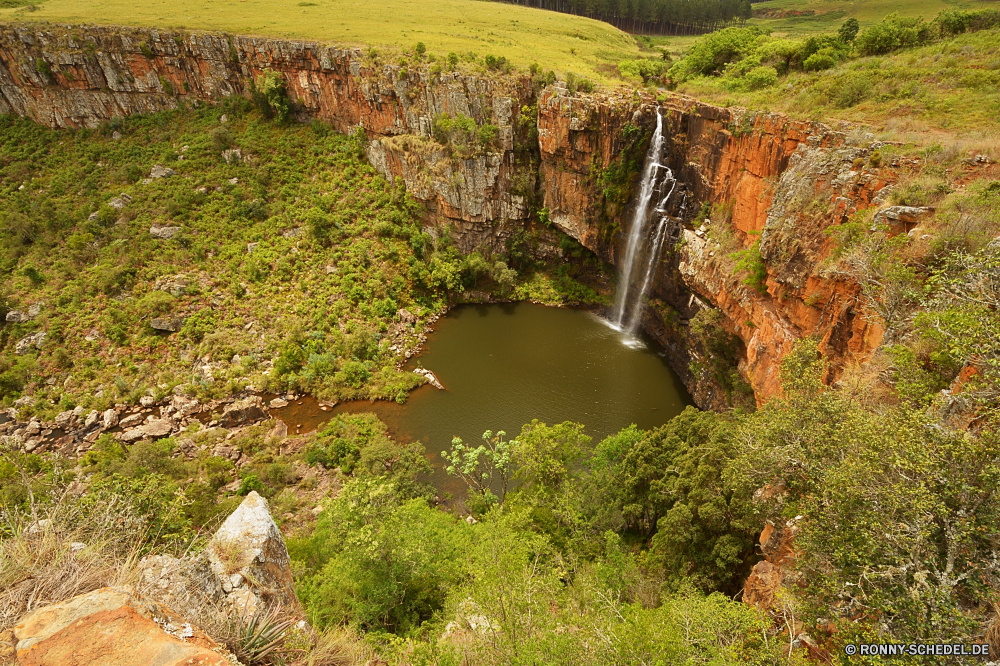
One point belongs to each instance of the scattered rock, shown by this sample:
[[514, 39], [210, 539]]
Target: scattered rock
[[278, 403], [109, 418], [406, 316], [17, 317], [172, 324], [164, 233], [243, 411], [430, 376], [251, 246], [93, 335], [111, 626], [25, 344], [147, 401], [279, 431], [234, 181], [232, 155], [224, 118], [116, 135], [160, 172]]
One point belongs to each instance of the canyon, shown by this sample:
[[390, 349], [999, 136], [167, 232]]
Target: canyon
[[750, 179]]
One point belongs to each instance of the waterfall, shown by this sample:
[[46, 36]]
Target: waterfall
[[646, 234]]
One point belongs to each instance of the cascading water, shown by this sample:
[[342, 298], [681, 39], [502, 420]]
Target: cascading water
[[646, 234]]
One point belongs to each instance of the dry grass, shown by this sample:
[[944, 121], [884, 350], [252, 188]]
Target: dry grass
[[67, 553], [339, 646], [231, 554]]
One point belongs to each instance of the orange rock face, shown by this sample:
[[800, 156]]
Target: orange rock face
[[111, 627], [782, 182]]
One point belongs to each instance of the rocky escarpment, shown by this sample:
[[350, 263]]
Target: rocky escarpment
[[772, 181], [72, 76]]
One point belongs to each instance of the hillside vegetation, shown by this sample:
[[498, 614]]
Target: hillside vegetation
[[900, 75], [287, 261], [522, 35]]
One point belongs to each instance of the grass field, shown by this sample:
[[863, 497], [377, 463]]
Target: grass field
[[522, 35], [828, 15]]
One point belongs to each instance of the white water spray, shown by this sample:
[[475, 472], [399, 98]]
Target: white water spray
[[645, 236]]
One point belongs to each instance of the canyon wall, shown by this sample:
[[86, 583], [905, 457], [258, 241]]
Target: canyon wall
[[777, 184], [773, 180]]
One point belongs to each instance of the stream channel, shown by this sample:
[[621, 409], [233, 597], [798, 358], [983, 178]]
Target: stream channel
[[503, 365]]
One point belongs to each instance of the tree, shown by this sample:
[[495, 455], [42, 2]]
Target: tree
[[484, 468], [271, 96], [849, 30]]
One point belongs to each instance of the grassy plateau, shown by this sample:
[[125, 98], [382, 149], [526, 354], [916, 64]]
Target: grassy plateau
[[522, 35]]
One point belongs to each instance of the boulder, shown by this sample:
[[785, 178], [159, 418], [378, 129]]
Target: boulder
[[132, 436], [247, 410], [899, 219], [278, 403], [131, 420], [120, 202], [157, 428], [232, 155], [171, 324], [112, 627], [160, 172], [109, 418], [64, 419], [249, 547], [164, 233], [18, 317], [93, 335], [25, 344]]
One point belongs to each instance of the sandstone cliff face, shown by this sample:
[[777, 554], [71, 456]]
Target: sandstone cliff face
[[65, 76], [782, 182]]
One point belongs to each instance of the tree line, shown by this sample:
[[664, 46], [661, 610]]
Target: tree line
[[653, 17]]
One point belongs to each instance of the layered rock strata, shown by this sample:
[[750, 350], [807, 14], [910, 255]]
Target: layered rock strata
[[777, 184], [75, 76]]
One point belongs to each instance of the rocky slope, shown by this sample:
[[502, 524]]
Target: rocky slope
[[779, 181], [243, 572]]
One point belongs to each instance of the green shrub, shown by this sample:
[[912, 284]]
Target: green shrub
[[892, 33], [761, 77], [818, 62], [851, 89]]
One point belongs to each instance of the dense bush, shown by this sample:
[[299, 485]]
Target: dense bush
[[893, 32]]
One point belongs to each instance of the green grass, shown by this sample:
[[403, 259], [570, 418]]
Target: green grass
[[556, 41]]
